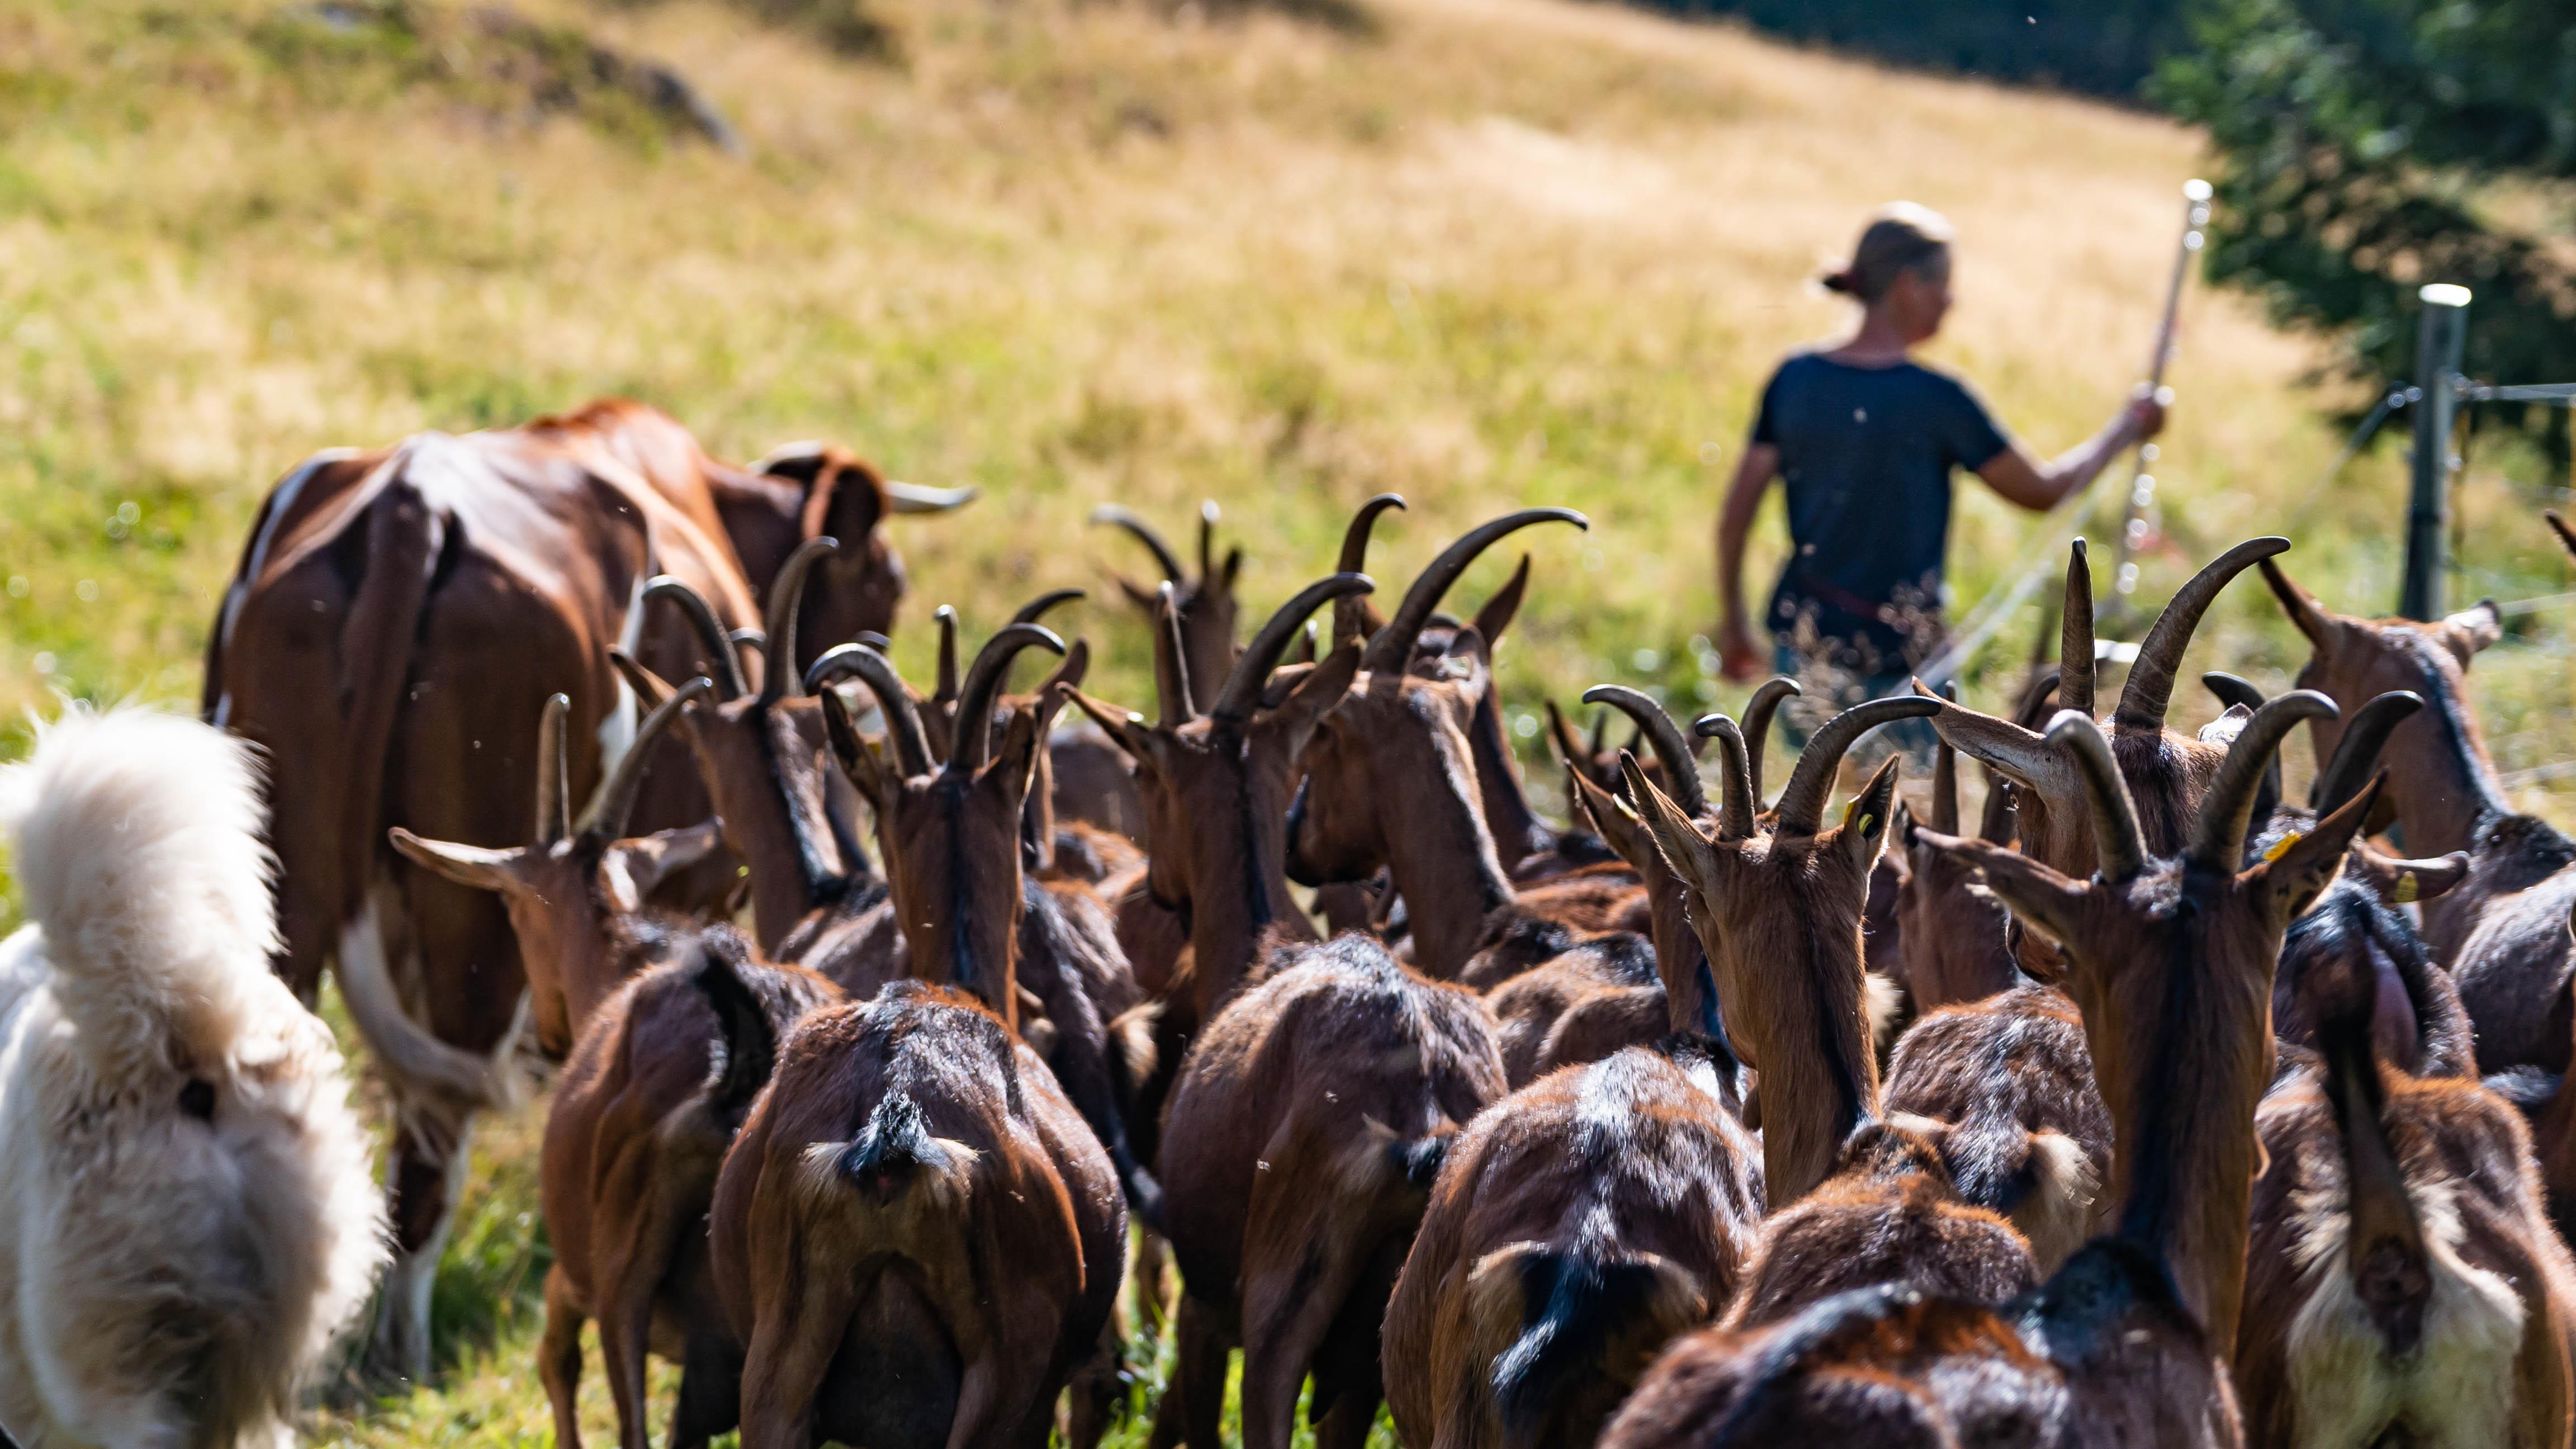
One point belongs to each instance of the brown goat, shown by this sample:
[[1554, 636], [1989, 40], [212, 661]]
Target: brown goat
[[1391, 775], [1297, 1156], [2502, 932], [2167, 773], [953, 833], [636, 1129], [1954, 937], [914, 1234], [1577, 1226], [2172, 962], [2403, 1280], [1856, 1198]]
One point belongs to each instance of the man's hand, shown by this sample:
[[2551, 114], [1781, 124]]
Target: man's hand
[[1738, 657], [2144, 417]]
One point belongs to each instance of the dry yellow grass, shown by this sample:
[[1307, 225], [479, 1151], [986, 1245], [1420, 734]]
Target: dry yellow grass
[[1486, 252]]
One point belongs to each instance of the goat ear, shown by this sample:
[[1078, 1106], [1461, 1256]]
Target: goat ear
[[649, 687], [1315, 696], [1503, 607], [2404, 882], [865, 771], [1627, 836], [1687, 853], [1127, 731], [2287, 882], [1867, 817], [467, 865], [1015, 764], [645, 862], [2472, 630], [1233, 566], [2039, 895], [2300, 605]]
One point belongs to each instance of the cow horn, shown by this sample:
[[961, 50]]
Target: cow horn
[[2075, 652], [711, 634], [2356, 755], [2151, 679], [1117, 517], [554, 787], [1252, 667], [971, 741], [1811, 783], [786, 601], [1392, 647], [1171, 662], [915, 498], [2115, 818], [1767, 698], [1681, 767], [903, 718], [1734, 779], [1038, 608], [2218, 834], [604, 818]]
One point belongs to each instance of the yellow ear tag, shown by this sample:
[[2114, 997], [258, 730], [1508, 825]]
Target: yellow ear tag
[[2281, 847], [1866, 822], [2407, 890]]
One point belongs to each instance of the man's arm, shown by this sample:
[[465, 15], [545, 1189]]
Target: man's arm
[[1753, 477], [2038, 486]]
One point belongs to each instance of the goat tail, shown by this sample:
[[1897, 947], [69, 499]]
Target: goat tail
[[136, 836], [747, 1043], [895, 1158], [1550, 1321]]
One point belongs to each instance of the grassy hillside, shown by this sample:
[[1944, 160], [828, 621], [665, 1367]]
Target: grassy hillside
[[1482, 252]]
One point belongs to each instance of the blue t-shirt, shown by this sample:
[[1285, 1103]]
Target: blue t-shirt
[[1865, 456]]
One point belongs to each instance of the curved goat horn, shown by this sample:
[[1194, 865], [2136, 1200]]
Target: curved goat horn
[[604, 818], [2075, 654], [1945, 775], [1242, 691], [1802, 800], [1735, 792], [2121, 851], [1681, 767], [1392, 648], [1759, 711], [2232, 691], [2218, 834], [786, 601], [1039, 607], [554, 785], [1208, 516], [1350, 616], [972, 736], [2151, 679], [1171, 662], [945, 691], [711, 634], [1164, 559], [2356, 755], [903, 718]]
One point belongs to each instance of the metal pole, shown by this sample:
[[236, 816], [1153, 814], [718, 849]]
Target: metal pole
[[2142, 484], [2441, 337]]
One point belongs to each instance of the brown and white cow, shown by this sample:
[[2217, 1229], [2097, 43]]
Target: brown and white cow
[[393, 629]]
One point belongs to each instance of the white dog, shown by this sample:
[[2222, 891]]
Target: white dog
[[187, 1216]]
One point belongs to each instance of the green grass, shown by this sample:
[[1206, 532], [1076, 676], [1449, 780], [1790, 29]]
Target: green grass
[[1484, 254]]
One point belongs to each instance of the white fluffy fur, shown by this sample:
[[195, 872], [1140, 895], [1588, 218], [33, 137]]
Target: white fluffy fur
[[2455, 1391], [164, 1279]]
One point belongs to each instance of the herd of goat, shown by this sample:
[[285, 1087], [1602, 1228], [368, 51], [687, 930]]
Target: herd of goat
[[2153, 1108]]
